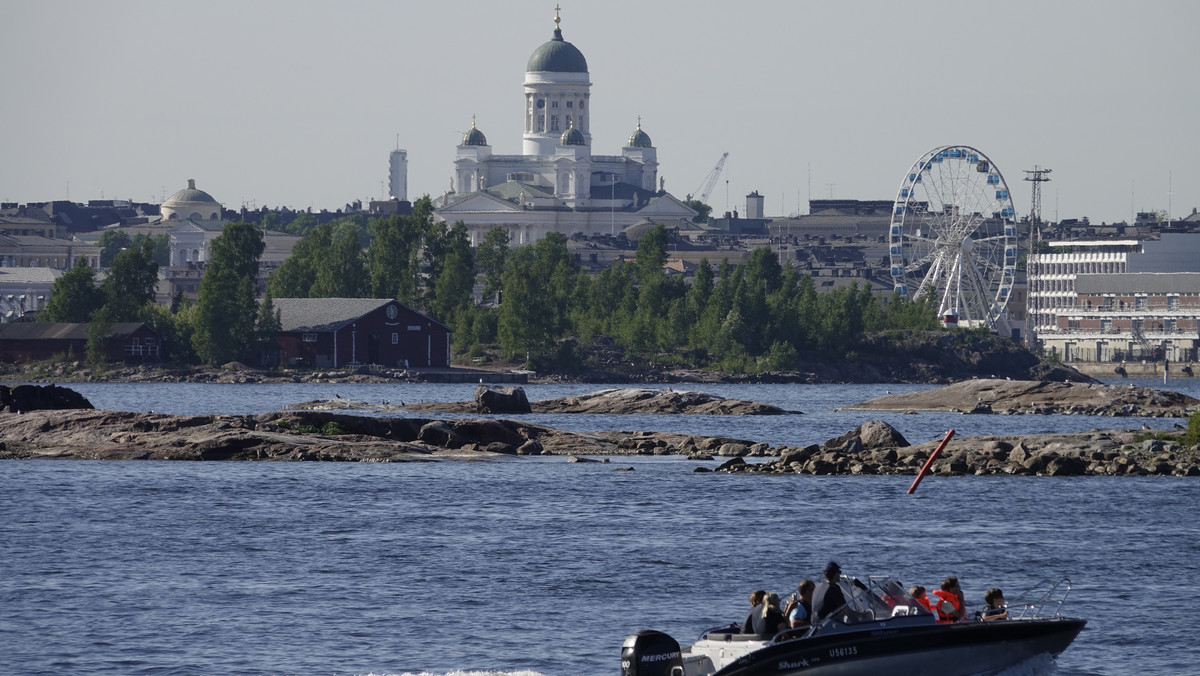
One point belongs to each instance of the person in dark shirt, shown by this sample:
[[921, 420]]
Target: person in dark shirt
[[756, 599], [828, 596], [996, 609], [771, 620]]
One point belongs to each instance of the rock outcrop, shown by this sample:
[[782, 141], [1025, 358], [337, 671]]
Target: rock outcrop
[[1108, 453], [873, 448], [304, 435], [619, 401], [1026, 396], [40, 398]]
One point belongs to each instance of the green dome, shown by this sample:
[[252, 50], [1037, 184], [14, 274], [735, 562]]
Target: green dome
[[474, 137], [573, 137], [190, 194], [639, 139], [557, 56]]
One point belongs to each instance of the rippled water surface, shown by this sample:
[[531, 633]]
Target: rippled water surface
[[538, 565]]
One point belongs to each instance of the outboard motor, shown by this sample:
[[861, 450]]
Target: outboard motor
[[651, 653]]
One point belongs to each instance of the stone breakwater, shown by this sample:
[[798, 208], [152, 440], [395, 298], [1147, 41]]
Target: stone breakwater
[[876, 448], [1016, 397]]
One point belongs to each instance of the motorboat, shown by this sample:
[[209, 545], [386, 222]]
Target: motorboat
[[880, 630]]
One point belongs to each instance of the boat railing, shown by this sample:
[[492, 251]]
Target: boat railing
[[1043, 600]]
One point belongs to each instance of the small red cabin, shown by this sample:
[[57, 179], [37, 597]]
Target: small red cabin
[[339, 332]]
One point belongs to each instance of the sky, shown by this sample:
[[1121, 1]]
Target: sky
[[298, 102]]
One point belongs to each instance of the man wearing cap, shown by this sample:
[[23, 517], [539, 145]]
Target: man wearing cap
[[828, 596]]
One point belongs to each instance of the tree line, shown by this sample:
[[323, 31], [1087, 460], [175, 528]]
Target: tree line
[[535, 304]]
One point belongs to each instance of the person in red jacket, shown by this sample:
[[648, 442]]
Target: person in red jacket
[[917, 592], [949, 604]]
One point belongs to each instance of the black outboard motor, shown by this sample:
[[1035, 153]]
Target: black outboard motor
[[651, 653]]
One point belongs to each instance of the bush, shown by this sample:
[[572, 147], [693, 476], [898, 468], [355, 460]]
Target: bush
[[1193, 430], [332, 429]]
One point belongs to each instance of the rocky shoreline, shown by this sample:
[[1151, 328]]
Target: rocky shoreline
[[1016, 397], [612, 401], [872, 449]]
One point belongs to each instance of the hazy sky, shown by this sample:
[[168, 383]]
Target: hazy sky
[[298, 102]]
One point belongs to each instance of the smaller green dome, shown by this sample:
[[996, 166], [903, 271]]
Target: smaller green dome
[[639, 138], [474, 137], [573, 137]]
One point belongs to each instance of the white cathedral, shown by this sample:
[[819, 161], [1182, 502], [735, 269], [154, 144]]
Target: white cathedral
[[556, 184]]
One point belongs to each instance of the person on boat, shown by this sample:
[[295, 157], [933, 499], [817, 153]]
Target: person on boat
[[828, 596], [799, 605], [771, 620], [950, 604], [756, 598], [917, 592], [996, 609]]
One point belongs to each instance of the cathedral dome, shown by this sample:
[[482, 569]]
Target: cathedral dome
[[190, 194], [573, 137], [557, 56], [639, 138], [190, 203], [474, 137]]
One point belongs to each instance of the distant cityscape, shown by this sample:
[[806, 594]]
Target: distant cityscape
[[1083, 291]]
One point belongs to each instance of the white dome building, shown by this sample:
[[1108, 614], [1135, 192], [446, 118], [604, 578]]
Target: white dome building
[[195, 219], [191, 204], [556, 184]]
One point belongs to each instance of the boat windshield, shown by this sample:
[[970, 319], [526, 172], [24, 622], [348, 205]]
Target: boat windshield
[[879, 598]]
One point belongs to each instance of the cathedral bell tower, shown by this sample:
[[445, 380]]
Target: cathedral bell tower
[[557, 94]]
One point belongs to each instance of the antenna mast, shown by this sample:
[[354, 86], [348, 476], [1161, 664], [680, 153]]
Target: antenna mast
[[1033, 281]]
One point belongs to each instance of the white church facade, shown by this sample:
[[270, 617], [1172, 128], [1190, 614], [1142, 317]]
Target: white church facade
[[556, 184]]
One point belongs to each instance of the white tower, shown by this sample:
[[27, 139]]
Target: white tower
[[398, 175], [556, 95]]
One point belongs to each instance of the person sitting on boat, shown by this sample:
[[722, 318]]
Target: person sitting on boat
[[917, 592], [996, 609], [756, 598], [828, 596], [950, 604], [771, 620], [799, 605]]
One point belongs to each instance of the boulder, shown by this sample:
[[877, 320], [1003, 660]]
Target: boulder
[[872, 434], [40, 398], [501, 400]]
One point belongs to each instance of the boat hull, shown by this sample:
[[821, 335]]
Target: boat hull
[[942, 650]]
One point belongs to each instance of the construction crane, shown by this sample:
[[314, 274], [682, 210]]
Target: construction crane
[[706, 187]]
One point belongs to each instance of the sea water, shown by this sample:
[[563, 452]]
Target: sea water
[[538, 566]]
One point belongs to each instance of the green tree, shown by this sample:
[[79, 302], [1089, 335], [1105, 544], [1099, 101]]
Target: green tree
[[652, 253], [702, 209], [490, 256], [267, 326], [74, 296], [456, 278], [225, 314], [341, 271], [301, 224], [538, 284], [296, 277], [392, 258], [131, 283], [112, 242]]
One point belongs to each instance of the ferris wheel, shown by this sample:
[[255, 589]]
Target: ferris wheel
[[953, 237]]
